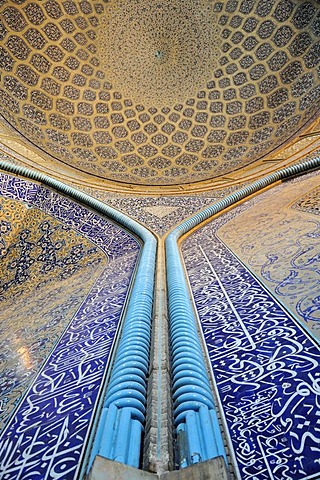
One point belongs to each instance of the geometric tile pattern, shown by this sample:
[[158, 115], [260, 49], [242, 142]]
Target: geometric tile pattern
[[261, 87], [265, 366], [173, 68], [160, 213], [46, 435]]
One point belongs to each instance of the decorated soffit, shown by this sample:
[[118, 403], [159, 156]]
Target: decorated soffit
[[159, 94]]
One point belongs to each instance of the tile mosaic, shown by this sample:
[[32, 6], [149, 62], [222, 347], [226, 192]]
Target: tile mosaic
[[265, 365], [75, 314], [282, 246], [160, 214], [31, 324], [151, 121], [309, 203]]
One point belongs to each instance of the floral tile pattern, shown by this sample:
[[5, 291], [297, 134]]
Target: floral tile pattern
[[265, 365], [283, 247], [309, 203], [160, 214], [68, 271]]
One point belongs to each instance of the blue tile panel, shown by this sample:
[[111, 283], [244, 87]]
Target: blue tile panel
[[265, 367], [45, 438]]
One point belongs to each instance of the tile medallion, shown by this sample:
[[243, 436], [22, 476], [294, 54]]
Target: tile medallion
[[68, 270], [161, 213], [309, 203], [265, 364]]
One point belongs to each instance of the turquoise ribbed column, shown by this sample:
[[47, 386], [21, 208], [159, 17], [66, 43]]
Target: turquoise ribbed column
[[122, 418], [198, 432]]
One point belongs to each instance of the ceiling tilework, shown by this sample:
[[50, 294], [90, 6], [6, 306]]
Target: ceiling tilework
[[159, 54], [62, 83]]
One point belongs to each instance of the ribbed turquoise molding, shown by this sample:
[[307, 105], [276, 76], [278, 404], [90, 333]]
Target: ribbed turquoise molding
[[198, 432], [91, 202], [119, 431], [122, 420]]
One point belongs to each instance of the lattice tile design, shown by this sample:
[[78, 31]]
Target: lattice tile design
[[239, 103], [160, 213], [177, 43]]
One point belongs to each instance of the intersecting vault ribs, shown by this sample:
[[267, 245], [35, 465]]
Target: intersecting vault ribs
[[159, 54]]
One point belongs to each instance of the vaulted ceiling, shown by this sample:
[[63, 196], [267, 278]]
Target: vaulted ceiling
[[159, 93]]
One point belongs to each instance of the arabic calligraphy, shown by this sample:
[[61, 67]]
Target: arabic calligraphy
[[282, 247], [265, 366], [45, 437]]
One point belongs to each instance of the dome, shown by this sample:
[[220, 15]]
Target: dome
[[159, 93]]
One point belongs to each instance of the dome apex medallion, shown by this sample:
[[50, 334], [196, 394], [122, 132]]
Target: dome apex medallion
[[159, 54]]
